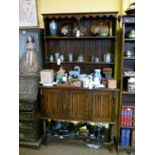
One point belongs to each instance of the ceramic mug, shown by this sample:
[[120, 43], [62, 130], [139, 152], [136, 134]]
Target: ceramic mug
[[56, 56], [51, 58], [70, 57], [108, 57]]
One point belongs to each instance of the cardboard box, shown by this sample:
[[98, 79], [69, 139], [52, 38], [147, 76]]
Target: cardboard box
[[112, 84], [46, 76]]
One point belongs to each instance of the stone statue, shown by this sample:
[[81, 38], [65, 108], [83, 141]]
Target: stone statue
[[29, 62]]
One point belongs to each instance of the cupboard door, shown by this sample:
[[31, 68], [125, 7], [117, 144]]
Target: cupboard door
[[52, 106], [56, 105], [78, 104], [102, 106], [45, 103]]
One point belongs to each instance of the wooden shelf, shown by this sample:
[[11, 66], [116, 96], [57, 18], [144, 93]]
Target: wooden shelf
[[87, 62], [129, 76], [78, 38], [80, 88], [128, 39], [130, 127], [126, 92], [129, 58], [128, 106], [127, 96], [126, 148], [80, 15]]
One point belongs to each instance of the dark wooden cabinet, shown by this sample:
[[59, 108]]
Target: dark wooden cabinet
[[30, 127], [80, 104], [127, 89]]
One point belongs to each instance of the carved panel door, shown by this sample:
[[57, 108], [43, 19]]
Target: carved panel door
[[55, 97], [102, 106], [52, 105], [78, 104]]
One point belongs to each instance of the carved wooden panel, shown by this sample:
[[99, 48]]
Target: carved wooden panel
[[45, 103], [55, 98], [78, 104], [28, 88], [53, 103], [102, 106]]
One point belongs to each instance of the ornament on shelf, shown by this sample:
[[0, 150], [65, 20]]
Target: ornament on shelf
[[53, 28]]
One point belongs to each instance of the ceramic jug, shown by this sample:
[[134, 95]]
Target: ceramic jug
[[70, 57], [108, 57], [97, 74]]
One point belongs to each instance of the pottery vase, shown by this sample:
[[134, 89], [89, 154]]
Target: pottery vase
[[53, 28]]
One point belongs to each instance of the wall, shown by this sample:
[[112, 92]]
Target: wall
[[62, 6], [125, 4]]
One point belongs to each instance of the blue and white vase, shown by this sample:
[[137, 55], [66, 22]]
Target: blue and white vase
[[53, 28]]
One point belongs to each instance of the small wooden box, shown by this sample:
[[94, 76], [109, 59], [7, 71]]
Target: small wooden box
[[112, 84]]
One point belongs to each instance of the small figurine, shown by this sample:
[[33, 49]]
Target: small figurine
[[75, 73], [60, 74]]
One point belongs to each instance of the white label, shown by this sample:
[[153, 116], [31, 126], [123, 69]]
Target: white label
[[78, 33], [58, 61]]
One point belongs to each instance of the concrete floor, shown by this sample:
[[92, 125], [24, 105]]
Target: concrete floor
[[68, 149]]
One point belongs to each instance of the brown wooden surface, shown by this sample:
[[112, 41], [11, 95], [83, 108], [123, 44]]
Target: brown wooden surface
[[102, 106], [79, 15], [127, 19], [81, 104], [78, 104], [130, 127], [79, 38]]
